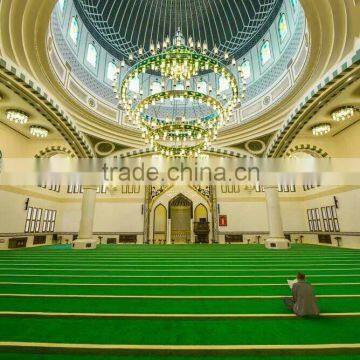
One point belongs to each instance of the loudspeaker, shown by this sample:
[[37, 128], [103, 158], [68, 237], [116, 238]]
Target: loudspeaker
[[26, 203]]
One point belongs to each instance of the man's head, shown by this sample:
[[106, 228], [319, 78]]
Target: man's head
[[300, 276]]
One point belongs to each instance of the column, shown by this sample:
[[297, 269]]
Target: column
[[168, 232], [192, 234], [85, 239], [276, 238]]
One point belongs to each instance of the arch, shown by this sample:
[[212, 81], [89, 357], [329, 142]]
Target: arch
[[246, 69], [155, 87], [265, 52], [53, 151], [181, 215], [294, 4], [160, 224], [283, 28], [202, 86], [62, 5], [201, 212], [180, 200], [307, 149], [223, 84], [92, 55], [74, 30], [111, 71], [134, 85]]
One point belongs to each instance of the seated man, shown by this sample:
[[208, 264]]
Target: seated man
[[303, 302]]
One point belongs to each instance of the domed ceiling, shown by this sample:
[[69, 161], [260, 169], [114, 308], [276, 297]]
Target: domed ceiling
[[122, 26]]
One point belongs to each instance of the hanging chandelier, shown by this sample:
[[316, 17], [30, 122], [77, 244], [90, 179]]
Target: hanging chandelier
[[165, 95]]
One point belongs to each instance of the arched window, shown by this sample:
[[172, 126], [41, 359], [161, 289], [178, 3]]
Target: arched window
[[223, 83], [265, 53], [155, 87], [62, 4], [74, 30], [134, 85], [202, 87], [294, 3], [283, 27], [92, 55], [111, 71], [179, 86], [246, 69]]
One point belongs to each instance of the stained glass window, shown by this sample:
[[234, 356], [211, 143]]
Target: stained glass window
[[179, 86], [223, 84], [246, 69], [155, 87], [265, 53], [202, 87], [283, 27], [134, 85], [111, 71], [62, 4], [91, 56], [74, 30]]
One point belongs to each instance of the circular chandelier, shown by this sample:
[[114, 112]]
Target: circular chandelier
[[321, 129], [17, 116], [38, 131], [166, 97]]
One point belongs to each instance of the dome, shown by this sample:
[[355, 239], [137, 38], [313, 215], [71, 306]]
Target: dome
[[123, 26]]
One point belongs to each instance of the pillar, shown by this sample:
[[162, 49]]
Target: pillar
[[276, 239], [168, 232], [85, 239], [192, 234]]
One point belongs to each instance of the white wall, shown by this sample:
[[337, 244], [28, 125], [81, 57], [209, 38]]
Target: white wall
[[13, 213], [251, 216], [246, 214]]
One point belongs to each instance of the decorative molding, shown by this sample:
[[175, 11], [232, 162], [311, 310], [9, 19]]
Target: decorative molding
[[307, 148], [54, 150], [333, 83], [39, 99], [212, 150]]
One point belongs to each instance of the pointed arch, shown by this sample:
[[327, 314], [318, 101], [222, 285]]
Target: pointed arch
[[201, 212], [160, 224]]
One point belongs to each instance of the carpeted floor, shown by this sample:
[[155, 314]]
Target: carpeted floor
[[176, 296]]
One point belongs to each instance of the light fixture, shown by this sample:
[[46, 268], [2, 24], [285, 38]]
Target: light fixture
[[17, 116], [343, 114], [38, 131], [175, 118], [321, 129]]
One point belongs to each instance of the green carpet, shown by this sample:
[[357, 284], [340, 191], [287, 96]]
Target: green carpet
[[176, 280]]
